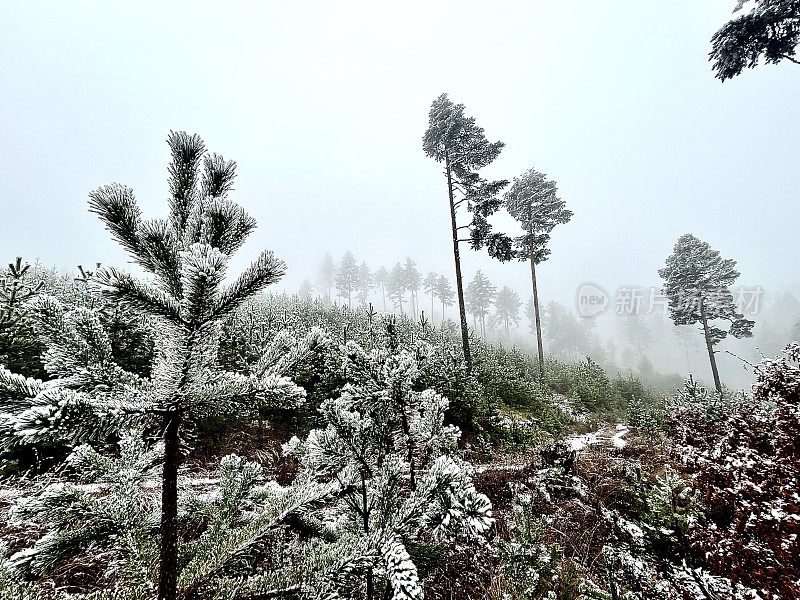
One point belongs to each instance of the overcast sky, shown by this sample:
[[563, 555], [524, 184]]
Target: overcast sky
[[323, 106]]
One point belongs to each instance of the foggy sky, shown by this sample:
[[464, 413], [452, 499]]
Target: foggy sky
[[323, 106]]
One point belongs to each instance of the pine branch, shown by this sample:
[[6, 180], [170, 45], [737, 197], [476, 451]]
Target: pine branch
[[217, 552], [159, 247], [187, 151], [218, 176], [226, 225], [263, 272], [144, 298], [116, 206], [16, 389]]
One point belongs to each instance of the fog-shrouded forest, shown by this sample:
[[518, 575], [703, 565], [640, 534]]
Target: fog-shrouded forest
[[445, 301]]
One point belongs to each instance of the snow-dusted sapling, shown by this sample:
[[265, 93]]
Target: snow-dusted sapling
[[18, 348], [186, 255], [697, 284], [387, 447]]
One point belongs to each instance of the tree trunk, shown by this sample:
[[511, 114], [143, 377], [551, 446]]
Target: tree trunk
[[365, 517], [459, 283], [710, 348], [383, 293], [537, 318], [168, 561]]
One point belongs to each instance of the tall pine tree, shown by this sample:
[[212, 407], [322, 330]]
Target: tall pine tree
[[507, 307], [429, 284], [413, 280], [381, 278], [346, 280], [327, 274], [480, 296], [444, 292], [532, 200], [696, 284], [456, 141]]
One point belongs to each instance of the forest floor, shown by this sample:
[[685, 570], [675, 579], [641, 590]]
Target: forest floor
[[589, 499], [582, 495]]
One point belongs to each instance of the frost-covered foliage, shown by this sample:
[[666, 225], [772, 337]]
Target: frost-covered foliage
[[697, 284], [33, 413], [501, 376], [89, 396], [107, 515], [108, 522], [184, 301], [532, 567], [19, 348], [695, 398], [666, 506], [528, 564], [768, 32], [746, 464], [388, 447]]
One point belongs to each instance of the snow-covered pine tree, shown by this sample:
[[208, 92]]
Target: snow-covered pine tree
[[506, 307], [327, 274], [365, 283], [444, 292], [391, 453], [397, 286], [532, 200], [346, 280], [454, 139], [697, 284], [429, 285], [382, 279], [413, 279], [18, 348], [186, 256], [480, 296]]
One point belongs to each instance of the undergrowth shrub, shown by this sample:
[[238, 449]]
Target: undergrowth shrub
[[745, 458], [532, 569], [501, 377]]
